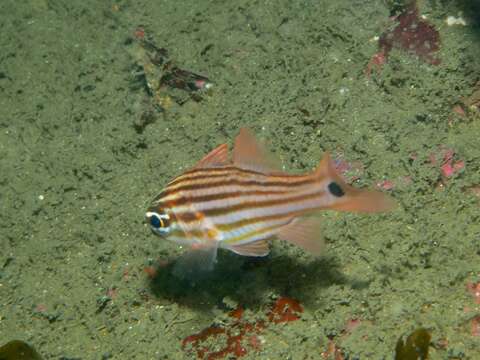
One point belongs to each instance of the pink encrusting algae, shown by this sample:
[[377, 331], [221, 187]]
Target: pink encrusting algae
[[412, 34]]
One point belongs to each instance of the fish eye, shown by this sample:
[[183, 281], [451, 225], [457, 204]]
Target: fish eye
[[156, 222], [159, 222]]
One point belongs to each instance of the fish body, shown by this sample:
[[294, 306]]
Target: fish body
[[243, 203]]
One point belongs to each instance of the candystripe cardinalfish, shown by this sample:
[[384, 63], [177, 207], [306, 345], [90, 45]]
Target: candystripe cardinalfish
[[242, 203]]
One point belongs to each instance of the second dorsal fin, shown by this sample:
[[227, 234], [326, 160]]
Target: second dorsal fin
[[249, 154]]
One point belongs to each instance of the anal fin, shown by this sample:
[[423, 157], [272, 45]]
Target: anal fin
[[305, 233], [256, 248]]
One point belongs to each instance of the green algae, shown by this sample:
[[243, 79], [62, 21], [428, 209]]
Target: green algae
[[415, 346], [18, 350]]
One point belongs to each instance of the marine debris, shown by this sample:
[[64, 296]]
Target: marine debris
[[165, 82], [160, 71]]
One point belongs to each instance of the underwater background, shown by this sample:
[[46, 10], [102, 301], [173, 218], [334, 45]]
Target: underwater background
[[103, 102]]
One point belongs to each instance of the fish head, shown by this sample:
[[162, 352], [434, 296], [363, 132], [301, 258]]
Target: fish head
[[180, 223], [160, 215], [174, 223]]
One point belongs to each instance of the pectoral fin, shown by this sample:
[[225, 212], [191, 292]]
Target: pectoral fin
[[195, 261]]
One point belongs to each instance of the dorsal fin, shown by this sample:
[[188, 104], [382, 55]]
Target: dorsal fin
[[216, 157], [249, 154]]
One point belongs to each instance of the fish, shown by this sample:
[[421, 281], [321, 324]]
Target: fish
[[241, 203]]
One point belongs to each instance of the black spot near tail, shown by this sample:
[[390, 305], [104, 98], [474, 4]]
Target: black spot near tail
[[335, 189]]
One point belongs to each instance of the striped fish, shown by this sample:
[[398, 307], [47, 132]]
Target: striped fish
[[241, 204]]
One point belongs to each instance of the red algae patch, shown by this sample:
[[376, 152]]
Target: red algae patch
[[285, 310], [236, 339], [412, 34], [474, 290]]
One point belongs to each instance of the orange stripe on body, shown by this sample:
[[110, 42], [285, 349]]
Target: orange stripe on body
[[215, 172], [235, 176], [219, 186], [252, 205]]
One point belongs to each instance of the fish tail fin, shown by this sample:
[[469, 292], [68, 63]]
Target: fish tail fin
[[347, 198]]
